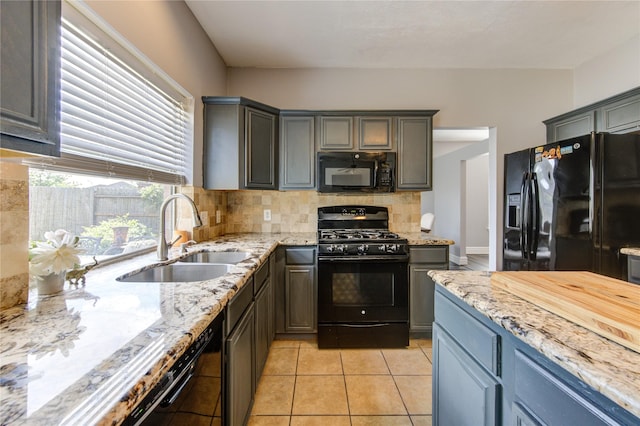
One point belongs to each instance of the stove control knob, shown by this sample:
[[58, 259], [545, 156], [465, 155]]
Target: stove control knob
[[341, 248], [363, 312], [363, 248], [389, 248]]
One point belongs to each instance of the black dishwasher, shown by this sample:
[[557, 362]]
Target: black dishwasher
[[162, 403]]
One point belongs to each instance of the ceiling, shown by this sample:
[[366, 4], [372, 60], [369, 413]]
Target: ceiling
[[415, 34]]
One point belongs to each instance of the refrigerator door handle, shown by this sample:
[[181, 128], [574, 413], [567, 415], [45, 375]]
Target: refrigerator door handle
[[535, 217], [524, 216]]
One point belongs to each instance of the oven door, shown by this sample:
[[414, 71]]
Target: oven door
[[363, 302], [362, 290]]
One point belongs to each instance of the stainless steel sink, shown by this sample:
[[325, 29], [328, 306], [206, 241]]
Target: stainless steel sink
[[179, 272], [231, 257]]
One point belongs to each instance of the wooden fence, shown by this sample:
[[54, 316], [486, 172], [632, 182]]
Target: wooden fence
[[73, 209]]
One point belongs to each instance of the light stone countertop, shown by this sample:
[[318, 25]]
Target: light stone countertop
[[631, 251], [88, 355], [425, 239], [608, 367]]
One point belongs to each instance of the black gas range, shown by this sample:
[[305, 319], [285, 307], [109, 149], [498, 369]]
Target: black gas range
[[361, 231], [362, 279]]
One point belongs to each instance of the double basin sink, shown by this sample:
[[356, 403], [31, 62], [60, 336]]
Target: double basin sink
[[194, 267]]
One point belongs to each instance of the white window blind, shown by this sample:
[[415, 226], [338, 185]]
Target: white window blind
[[120, 115]]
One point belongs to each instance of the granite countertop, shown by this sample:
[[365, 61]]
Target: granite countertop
[[425, 239], [608, 367], [89, 355], [631, 251]]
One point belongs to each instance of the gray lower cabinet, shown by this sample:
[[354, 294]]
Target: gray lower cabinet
[[633, 272], [464, 392], [263, 317], [240, 369], [542, 398], [300, 290], [297, 152], [249, 328], [240, 144], [30, 69], [617, 114], [422, 287], [483, 375], [415, 153]]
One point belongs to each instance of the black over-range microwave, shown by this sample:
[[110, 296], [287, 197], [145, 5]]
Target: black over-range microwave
[[356, 171]]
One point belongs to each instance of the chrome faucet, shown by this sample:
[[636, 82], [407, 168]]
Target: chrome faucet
[[163, 246]]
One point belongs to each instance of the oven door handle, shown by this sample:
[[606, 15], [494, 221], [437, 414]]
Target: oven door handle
[[400, 258], [362, 325]]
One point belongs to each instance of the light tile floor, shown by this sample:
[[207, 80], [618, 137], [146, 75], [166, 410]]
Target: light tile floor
[[303, 385]]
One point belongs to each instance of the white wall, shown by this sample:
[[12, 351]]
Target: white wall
[[450, 199], [170, 36], [608, 74], [513, 101], [477, 203]]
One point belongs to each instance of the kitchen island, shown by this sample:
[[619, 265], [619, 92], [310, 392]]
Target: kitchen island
[[516, 363]]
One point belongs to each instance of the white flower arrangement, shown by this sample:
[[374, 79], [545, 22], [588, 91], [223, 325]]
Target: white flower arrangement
[[57, 255]]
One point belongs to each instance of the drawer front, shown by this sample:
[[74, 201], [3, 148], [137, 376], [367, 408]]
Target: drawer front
[[550, 399], [260, 277], [429, 254], [300, 256], [237, 305], [634, 269], [480, 341]]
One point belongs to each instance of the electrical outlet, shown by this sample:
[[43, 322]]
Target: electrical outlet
[[267, 215], [218, 216]]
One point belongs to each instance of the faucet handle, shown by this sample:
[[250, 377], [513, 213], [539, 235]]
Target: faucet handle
[[183, 246], [169, 245]]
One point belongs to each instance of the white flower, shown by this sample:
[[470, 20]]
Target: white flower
[[58, 254]]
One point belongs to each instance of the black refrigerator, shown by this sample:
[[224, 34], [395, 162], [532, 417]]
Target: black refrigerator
[[572, 205]]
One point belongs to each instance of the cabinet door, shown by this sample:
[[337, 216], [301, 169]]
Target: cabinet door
[[297, 153], [620, 117], [421, 295], [567, 128], [263, 328], [336, 133], [414, 153], [374, 133], [463, 392], [260, 150], [30, 69], [240, 370], [301, 299]]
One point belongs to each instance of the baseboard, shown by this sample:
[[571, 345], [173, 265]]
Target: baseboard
[[458, 260], [477, 250]]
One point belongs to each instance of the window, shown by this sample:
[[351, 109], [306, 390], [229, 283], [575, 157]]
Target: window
[[126, 136], [112, 217]]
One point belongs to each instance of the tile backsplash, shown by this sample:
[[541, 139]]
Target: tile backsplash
[[297, 211], [14, 234]]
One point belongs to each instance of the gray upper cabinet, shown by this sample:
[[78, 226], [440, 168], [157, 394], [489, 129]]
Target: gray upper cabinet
[[335, 132], [240, 144], [415, 147], [375, 133], [617, 114], [570, 127], [30, 68], [620, 117], [297, 152]]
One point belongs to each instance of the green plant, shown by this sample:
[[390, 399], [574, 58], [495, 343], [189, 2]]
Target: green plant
[[52, 179], [152, 195], [104, 230]]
